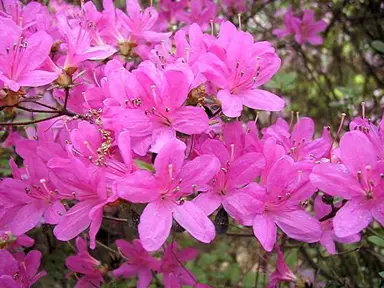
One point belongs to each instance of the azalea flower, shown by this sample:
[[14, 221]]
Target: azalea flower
[[20, 271], [357, 179], [174, 273], [329, 237], [283, 273], [83, 263], [278, 205], [139, 262], [34, 198], [166, 191], [21, 58], [237, 66]]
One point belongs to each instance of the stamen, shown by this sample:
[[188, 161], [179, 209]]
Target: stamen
[[363, 109], [170, 171], [232, 151], [212, 27], [153, 87], [340, 126], [239, 18]]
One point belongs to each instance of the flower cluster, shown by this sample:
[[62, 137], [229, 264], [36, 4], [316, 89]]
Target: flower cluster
[[146, 116]]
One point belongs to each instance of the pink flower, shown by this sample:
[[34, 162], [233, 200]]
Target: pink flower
[[285, 187], [290, 22], [309, 28], [201, 12], [87, 184], [20, 58], [174, 273], [374, 133], [299, 143], [155, 101], [139, 262], [235, 6], [305, 29], [329, 238], [357, 179], [283, 273], [33, 199], [237, 66], [79, 44], [85, 264], [165, 191], [238, 169], [19, 271]]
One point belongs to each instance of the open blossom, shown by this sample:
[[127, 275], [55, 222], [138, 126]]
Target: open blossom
[[174, 274], [88, 186], [21, 57], [155, 100], [357, 179], [305, 29], [237, 66], [299, 143], [19, 270], [374, 133], [34, 198], [329, 237], [278, 205], [238, 169], [200, 12], [79, 44], [83, 263], [283, 273], [166, 193], [139, 262]]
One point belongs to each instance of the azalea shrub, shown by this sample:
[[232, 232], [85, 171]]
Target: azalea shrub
[[156, 145]]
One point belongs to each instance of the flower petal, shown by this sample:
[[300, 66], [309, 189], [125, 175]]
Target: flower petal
[[265, 231], [195, 221], [155, 225], [262, 100], [351, 218]]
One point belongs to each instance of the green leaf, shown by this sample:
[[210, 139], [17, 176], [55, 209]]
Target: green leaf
[[291, 259], [249, 279], [381, 274], [143, 165], [378, 46], [376, 240]]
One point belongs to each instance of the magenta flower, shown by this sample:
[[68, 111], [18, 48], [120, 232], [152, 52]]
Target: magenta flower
[[19, 271], [237, 171], [237, 66], [305, 29], [139, 262], [290, 22], [299, 143], [174, 273], [34, 199], [155, 101], [285, 187], [86, 184], [20, 58], [79, 44], [374, 133], [309, 28], [85, 264], [357, 179], [283, 273], [166, 191], [200, 12], [235, 6], [329, 237]]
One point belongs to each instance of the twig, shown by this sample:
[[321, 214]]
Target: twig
[[115, 219]]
